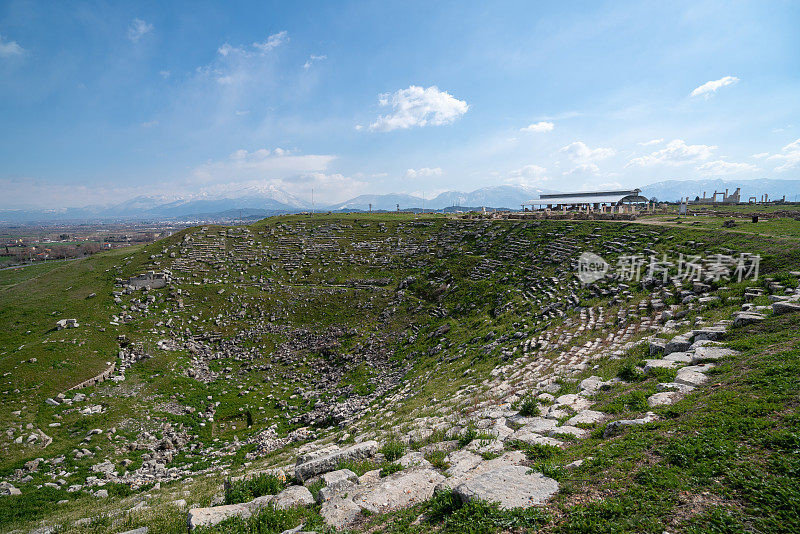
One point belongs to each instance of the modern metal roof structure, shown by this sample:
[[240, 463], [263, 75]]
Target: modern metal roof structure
[[589, 198]]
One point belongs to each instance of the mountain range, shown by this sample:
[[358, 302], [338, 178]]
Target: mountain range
[[265, 201]]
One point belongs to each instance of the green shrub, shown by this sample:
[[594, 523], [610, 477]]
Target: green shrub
[[466, 436], [629, 372], [393, 449], [529, 407], [536, 451], [248, 489], [436, 458], [389, 468]]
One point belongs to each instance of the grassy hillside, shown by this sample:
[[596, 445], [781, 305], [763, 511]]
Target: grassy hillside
[[300, 331]]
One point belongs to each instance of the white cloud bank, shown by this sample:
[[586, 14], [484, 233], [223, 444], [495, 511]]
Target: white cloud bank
[[789, 155], [709, 88], [138, 29], [528, 175], [539, 127], [425, 171], [719, 167], [277, 169], [580, 152], [418, 106], [677, 152]]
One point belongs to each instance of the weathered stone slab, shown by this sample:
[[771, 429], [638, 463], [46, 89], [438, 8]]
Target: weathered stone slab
[[712, 353], [293, 496], [679, 357], [340, 513], [690, 378], [330, 461], [512, 486], [461, 462], [536, 424], [781, 308], [674, 386], [657, 346], [615, 426], [664, 398], [399, 490], [679, 343], [649, 365], [207, 517], [531, 438], [414, 459], [586, 417], [567, 429], [574, 401], [745, 318]]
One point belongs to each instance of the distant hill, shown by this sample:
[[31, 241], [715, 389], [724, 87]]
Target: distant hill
[[502, 196], [266, 201], [674, 190]]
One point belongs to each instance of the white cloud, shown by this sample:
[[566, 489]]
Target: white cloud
[[709, 88], [790, 156], [425, 171], [260, 164], [579, 152], [677, 152], [10, 48], [164, 74], [312, 59], [719, 167], [539, 127], [138, 29], [418, 106], [584, 168], [760, 155], [149, 124], [651, 142], [527, 176], [272, 42]]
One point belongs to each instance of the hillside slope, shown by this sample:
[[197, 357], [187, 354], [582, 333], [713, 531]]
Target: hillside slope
[[421, 354]]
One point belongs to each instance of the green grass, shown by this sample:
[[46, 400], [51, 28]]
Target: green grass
[[248, 489], [445, 331]]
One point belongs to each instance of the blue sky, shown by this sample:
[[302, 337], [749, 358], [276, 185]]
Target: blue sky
[[103, 101]]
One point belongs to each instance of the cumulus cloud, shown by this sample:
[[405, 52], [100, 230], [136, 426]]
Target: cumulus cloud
[[709, 88], [539, 127], [789, 155], [313, 59], [528, 175], [677, 152], [10, 48], [138, 29], [418, 106], [719, 167], [425, 171], [580, 152]]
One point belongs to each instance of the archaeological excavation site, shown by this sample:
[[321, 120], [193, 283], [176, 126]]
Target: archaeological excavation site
[[407, 373]]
